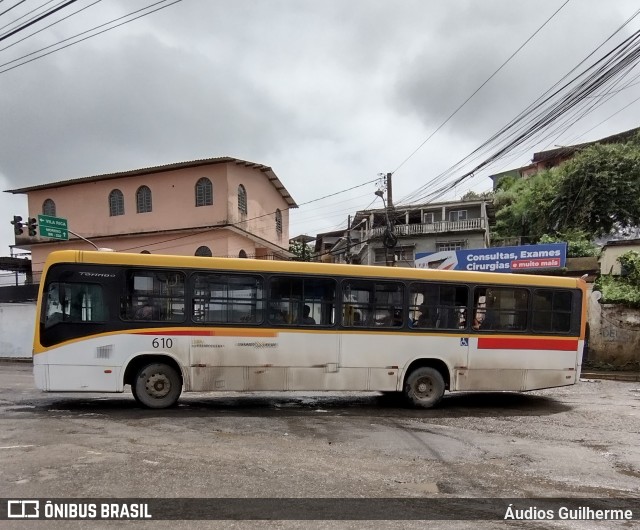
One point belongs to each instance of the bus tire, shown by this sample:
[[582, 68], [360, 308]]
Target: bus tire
[[424, 387], [157, 386]]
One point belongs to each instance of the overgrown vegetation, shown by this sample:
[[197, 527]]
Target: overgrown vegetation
[[578, 243], [623, 289], [595, 193]]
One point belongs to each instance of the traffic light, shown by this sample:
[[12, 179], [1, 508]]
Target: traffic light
[[32, 225], [17, 225]]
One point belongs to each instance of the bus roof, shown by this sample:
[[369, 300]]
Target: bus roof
[[331, 269]]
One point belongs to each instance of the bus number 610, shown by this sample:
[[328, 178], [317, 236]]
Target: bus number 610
[[162, 343]]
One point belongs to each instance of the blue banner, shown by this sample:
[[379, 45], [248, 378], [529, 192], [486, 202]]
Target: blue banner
[[496, 259]]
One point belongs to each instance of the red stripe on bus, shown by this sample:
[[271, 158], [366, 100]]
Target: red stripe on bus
[[521, 343]]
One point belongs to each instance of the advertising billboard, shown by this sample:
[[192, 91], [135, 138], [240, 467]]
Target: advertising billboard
[[496, 259]]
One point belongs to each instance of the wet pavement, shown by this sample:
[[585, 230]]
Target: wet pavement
[[579, 441]]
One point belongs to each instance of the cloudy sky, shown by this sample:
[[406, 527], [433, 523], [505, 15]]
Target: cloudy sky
[[328, 93]]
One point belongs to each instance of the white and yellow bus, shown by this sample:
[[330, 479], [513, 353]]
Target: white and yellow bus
[[167, 324]]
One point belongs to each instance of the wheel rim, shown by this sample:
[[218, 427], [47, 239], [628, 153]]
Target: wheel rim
[[423, 388], [158, 386]]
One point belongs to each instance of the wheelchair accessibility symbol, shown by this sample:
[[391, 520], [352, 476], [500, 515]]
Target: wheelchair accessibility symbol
[[464, 341]]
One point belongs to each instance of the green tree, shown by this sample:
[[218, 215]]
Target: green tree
[[579, 244], [473, 196], [523, 207], [595, 193], [599, 190], [302, 251]]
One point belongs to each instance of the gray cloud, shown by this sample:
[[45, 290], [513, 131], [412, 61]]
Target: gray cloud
[[327, 93]]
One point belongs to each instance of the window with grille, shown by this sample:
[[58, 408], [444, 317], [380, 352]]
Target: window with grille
[[450, 245], [457, 215], [49, 208], [143, 199], [242, 199], [203, 251], [116, 203], [278, 222], [204, 192], [398, 254]]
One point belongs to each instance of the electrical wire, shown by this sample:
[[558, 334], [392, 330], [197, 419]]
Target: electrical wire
[[47, 27], [480, 87], [37, 19], [89, 36], [27, 14], [537, 118]]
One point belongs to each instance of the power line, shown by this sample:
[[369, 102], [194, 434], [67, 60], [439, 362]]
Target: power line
[[12, 7], [47, 27], [545, 110], [89, 36], [27, 14], [480, 87], [37, 19]]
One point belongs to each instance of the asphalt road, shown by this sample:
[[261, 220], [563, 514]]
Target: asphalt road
[[579, 441]]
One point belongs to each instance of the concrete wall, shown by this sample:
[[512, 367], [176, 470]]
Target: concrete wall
[[16, 329], [614, 334]]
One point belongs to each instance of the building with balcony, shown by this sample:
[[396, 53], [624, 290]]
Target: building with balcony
[[212, 207], [423, 228]]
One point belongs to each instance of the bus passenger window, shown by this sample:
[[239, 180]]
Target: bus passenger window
[[500, 308], [227, 298], [438, 305], [301, 301], [154, 295], [552, 310], [376, 303]]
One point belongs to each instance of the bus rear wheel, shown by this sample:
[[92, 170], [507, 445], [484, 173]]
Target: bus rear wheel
[[157, 386], [424, 387]]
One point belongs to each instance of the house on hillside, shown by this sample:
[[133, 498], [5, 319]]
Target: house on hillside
[[554, 157], [211, 207], [432, 227]]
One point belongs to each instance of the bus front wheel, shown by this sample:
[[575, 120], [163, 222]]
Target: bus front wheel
[[157, 386], [424, 387]]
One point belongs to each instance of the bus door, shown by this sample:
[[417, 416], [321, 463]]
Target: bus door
[[497, 360], [302, 315]]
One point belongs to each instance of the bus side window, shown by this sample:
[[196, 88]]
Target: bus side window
[[74, 303], [154, 295], [500, 308], [377, 303], [438, 305]]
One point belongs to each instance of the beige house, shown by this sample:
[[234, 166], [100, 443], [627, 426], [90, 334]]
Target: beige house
[[612, 250], [212, 207]]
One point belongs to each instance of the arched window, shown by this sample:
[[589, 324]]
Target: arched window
[[49, 208], [278, 222], [204, 192], [242, 254], [116, 203], [203, 251], [143, 199], [242, 199]]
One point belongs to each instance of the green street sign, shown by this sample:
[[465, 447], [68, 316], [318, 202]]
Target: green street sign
[[53, 227]]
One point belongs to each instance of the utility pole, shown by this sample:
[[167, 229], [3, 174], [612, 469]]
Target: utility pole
[[347, 256], [391, 255]]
